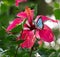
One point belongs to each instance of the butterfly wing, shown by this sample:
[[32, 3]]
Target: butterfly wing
[[39, 23]]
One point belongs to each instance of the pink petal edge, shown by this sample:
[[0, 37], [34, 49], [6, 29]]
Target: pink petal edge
[[22, 15], [19, 1], [45, 18], [15, 22]]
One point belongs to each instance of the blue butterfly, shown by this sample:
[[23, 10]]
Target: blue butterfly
[[39, 23]]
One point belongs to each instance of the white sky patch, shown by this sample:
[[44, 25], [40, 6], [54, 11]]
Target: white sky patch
[[37, 55], [58, 41], [59, 25], [46, 44], [1, 2], [53, 44], [48, 1]]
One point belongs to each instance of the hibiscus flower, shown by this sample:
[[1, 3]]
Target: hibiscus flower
[[33, 28]]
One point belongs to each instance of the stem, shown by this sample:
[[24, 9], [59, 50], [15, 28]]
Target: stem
[[31, 52], [16, 51], [17, 47]]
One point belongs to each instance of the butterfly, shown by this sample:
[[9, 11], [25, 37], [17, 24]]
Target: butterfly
[[39, 23]]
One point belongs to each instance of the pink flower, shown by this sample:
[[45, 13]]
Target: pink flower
[[30, 30], [19, 1]]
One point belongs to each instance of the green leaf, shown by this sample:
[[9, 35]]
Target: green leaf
[[20, 41], [44, 52], [11, 51], [56, 33], [9, 2], [2, 33], [4, 20], [4, 8], [53, 54], [35, 10], [23, 51], [56, 5], [17, 29], [57, 13]]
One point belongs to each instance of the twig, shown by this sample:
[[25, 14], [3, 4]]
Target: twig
[[16, 51], [31, 51]]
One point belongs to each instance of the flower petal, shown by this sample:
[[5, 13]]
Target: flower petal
[[30, 14], [45, 18], [24, 34], [46, 34], [40, 42], [29, 39], [22, 15], [19, 1], [14, 24], [26, 27]]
